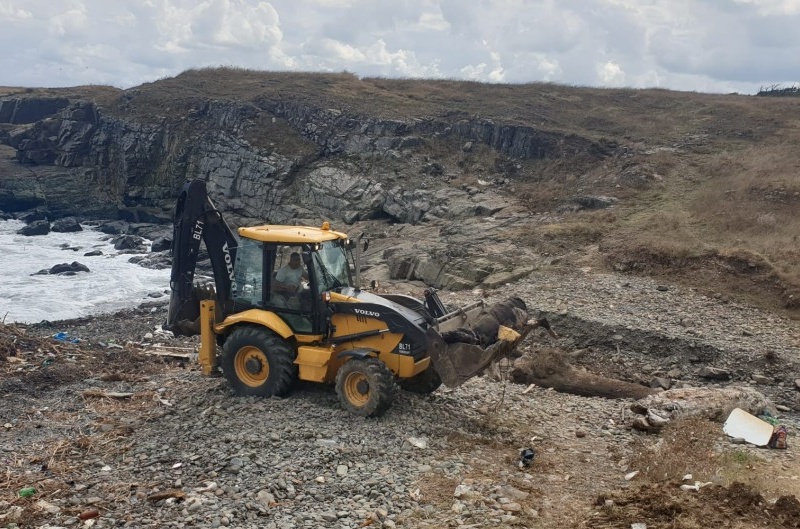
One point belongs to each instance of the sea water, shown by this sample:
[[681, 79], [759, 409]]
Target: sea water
[[112, 284]]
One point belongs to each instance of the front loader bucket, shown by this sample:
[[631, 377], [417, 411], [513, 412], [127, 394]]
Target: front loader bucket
[[458, 362]]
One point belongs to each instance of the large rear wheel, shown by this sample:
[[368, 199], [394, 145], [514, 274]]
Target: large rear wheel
[[257, 362], [365, 387]]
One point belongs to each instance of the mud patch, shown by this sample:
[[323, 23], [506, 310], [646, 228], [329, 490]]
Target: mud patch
[[665, 505]]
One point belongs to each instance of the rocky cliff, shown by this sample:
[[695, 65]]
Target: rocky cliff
[[283, 161]]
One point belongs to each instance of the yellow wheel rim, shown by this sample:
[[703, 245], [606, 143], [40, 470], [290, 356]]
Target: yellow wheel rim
[[251, 366], [356, 389]]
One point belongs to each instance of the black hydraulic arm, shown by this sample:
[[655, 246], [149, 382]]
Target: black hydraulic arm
[[197, 219]]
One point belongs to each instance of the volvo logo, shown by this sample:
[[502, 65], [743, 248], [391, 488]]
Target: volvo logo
[[229, 266], [369, 313]]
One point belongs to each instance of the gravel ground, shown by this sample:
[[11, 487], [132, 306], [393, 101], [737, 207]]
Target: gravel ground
[[175, 449]]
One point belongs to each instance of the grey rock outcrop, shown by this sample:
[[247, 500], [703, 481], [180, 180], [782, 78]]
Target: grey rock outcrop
[[37, 227], [66, 225], [84, 160], [69, 269]]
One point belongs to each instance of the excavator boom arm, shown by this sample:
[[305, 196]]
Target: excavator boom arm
[[197, 220]]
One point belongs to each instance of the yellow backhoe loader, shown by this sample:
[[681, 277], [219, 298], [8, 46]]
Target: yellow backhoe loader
[[286, 306]]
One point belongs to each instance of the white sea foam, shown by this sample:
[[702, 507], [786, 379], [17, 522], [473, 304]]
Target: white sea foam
[[112, 283]]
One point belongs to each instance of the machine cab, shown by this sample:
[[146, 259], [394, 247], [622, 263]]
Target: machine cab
[[287, 276]]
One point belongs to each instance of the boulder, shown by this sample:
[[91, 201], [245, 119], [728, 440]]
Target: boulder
[[714, 373], [37, 227], [711, 403], [66, 225], [114, 227], [161, 244], [70, 268], [32, 215], [154, 261], [128, 242]]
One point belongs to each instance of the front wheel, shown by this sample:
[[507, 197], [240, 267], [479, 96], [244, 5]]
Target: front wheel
[[365, 387], [259, 363]]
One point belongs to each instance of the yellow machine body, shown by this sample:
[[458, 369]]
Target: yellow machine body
[[318, 360]]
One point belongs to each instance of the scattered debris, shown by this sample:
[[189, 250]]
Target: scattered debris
[[88, 515], [697, 486], [419, 442], [164, 494], [526, 457], [65, 337], [106, 394], [707, 402], [177, 353], [748, 427], [778, 438]]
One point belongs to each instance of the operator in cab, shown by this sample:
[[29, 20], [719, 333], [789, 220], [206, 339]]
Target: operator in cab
[[288, 280]]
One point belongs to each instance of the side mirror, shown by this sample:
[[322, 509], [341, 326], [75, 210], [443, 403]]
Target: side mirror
[[366, 245], [306, 258]]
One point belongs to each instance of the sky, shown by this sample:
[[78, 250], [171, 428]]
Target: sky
[[718, 46]]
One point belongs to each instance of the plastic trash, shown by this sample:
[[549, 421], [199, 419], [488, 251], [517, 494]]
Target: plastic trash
[[65, 337], [778, 438], [27, 492], [747, 426], [526, 457], [88, 515]]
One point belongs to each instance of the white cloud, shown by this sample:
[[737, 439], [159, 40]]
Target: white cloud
[[774, 7], [10, 13], [710, 45], [611, 74], [69, 24]]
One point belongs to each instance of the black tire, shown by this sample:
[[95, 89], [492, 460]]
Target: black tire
[[365, 387], [423, 383], [259, 363]]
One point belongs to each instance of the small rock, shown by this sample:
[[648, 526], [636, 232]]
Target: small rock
[[49, 507], [265, 498], [662, 288], [761, 379], [341, 470], [714, 373], [674, 373], [660, 382], [580, 434]]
